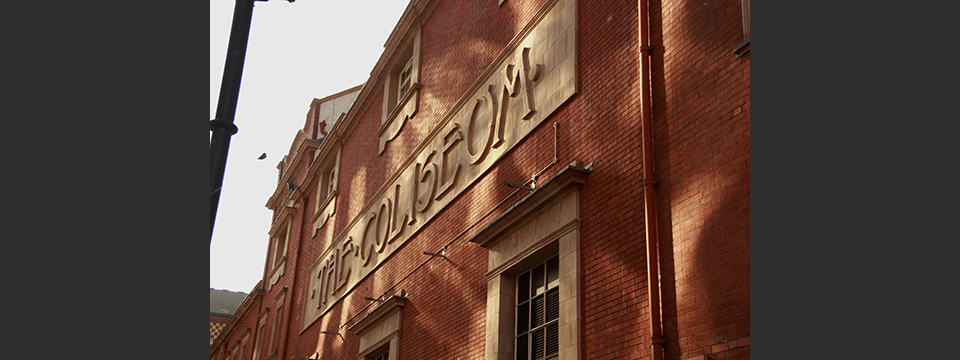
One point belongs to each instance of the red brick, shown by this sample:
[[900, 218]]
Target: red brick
[[701, 111]]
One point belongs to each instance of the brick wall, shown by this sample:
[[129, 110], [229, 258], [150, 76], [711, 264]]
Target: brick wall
[[701, 112]]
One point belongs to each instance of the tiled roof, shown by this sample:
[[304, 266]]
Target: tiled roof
[[215, 330], [225, 302]]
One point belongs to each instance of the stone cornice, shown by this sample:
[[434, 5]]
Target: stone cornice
[[570, 178], [305, 146], [282, 291], [385, 308], [285, 212]]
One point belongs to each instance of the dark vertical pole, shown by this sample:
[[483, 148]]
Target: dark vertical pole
[[222, 126]]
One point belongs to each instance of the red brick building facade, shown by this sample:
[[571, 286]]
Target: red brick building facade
[[488, 193], [223, 305]]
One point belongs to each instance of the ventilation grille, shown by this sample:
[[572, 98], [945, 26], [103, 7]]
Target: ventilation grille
[[522, 347], [523, 318], [553, 339]]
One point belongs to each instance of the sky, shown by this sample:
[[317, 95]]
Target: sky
[[296, 52]]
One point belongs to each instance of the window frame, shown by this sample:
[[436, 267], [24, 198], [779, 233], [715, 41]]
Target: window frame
[[529, 299], [405, 79], [379, 352]]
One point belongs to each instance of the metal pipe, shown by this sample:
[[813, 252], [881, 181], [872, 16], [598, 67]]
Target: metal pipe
[[649, 192], [296, 267], [223, 126]]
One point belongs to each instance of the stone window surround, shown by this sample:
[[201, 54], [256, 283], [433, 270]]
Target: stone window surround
[[398, 109], [326, 201], [261, 328], [275, 335], [544, 224], [533, 293], [235, 351], [244, 338], [281, 229], [379, 330]]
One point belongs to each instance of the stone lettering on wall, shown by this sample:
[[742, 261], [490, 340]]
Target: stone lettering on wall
[[532, 78]]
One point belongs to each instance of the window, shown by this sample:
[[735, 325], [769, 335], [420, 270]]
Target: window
[[223, 352], [280, 239], [533, 254], [401, 78], [383, 353], [243, 348], [280, 247], [401, 86], [331, 180], [406, 78], [327, 184], [326, 201], [261, 328], [538, 311], [275, 336], [379, 330]]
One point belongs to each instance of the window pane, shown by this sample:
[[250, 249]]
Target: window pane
[[553, 339], [553, 305], [278, 253], [537, 275], [523, 316], [537, 345], [523, 288], [537, 312], [522, 347], [553, 272]]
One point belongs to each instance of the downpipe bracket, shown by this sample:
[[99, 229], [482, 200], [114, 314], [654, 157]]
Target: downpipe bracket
[[228, 125]]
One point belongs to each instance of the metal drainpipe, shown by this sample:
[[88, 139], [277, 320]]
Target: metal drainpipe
[[649, 192], [223, 126], [293, 290]]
